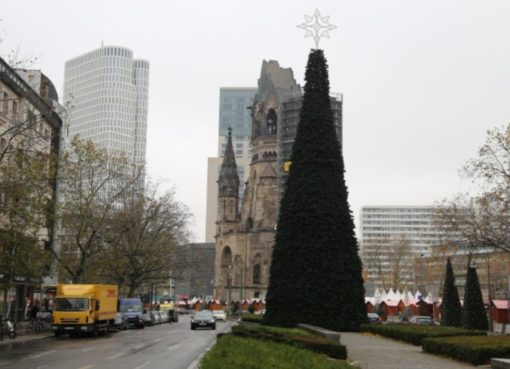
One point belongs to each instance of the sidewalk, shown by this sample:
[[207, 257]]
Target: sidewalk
[[375, 352], [22, 337]]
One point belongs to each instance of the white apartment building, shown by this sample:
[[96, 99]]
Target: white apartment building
[[106, 93], [382, 227], [234, 113]]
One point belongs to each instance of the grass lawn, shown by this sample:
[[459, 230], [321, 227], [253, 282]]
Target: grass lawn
[[231, 352]]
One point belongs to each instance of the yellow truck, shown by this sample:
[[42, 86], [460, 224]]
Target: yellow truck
[[84, 308]]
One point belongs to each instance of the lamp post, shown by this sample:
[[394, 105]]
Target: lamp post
[[244, 265], [229, 286]]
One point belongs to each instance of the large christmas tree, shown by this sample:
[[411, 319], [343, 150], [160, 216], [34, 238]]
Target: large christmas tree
[[315, 274], [451, 311], [473, 312]]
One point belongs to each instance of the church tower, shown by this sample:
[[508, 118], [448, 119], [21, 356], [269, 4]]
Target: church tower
[[228, 186], [245, 237]]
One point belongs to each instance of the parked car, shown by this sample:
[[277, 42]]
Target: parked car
[[121, 321], [157, 317], [148, 318], [203, 319], [373, 318], [220, 315], [421, 319], [165, 316]]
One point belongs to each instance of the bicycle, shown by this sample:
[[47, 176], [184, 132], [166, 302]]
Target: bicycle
[[39, 324], [7, 326]]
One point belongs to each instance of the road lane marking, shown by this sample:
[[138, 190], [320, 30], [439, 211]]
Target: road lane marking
[[2, 363], [87, 367], [143, 365], [31, 357], [138, 347], [157, 340], [174, 346], [116, 356], [88, 349]]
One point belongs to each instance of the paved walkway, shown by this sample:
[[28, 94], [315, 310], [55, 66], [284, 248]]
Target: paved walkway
[[375, 352]]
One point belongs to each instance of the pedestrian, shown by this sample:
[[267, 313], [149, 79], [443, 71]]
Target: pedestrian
[[34, 310], [28, 307]]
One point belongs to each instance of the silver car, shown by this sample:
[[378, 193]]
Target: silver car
[[220, 315]]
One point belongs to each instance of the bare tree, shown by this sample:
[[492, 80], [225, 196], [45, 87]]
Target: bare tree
[[146, 241], [93, 183], [24, 208], [483, 219], [392, 261]]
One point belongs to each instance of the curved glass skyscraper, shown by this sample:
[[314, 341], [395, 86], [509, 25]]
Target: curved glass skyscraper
[[106, 93]]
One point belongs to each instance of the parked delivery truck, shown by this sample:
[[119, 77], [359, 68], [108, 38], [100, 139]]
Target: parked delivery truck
[[84, 308]]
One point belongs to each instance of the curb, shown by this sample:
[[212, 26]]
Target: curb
[[23, 338]]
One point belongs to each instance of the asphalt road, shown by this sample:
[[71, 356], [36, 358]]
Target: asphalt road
[[165, 346]]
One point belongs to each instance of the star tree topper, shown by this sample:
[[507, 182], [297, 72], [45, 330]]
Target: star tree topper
[[317, 27]]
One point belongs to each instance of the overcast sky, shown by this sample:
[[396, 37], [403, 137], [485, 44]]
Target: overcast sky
[[422, 80]]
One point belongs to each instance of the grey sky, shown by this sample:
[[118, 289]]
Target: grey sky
[[422, 81]]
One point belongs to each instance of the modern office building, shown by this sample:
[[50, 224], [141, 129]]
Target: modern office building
[[391, 232], [106, 92], [234, 113]]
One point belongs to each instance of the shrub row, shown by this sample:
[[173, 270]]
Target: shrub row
[[294, 337], [414, 333], [231, 352], [252, 318], [474, 350]]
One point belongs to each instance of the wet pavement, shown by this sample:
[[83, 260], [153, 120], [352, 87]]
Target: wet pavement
[[375, 352]]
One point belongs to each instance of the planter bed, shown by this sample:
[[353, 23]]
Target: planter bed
[[414, 333], [234, 352], [474, 350], [293, 337]]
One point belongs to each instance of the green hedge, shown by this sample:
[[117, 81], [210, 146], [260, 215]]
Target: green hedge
[[474, 350], [294, 337], [252, 318], [415, 333], [233, 352]]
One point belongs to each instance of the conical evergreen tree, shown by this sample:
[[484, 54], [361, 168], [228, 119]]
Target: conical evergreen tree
[[473, 312], [451, 311], [315, 259]]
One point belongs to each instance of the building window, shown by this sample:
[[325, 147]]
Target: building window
[[14, 111], [256, 274], [5, 104]]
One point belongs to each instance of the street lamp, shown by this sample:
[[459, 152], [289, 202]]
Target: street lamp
[[244, 266], [229, 286]]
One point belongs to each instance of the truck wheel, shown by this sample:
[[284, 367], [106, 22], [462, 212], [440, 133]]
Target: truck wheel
[[57, 334]]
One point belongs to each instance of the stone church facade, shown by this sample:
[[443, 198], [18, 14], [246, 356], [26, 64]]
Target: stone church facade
[[245, 232]]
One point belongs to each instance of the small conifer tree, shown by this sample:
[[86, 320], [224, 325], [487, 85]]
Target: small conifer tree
[[473, 313], [451, 311]]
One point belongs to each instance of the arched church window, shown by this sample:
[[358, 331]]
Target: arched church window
[[256, 274], [249, 223], [271, 122]]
